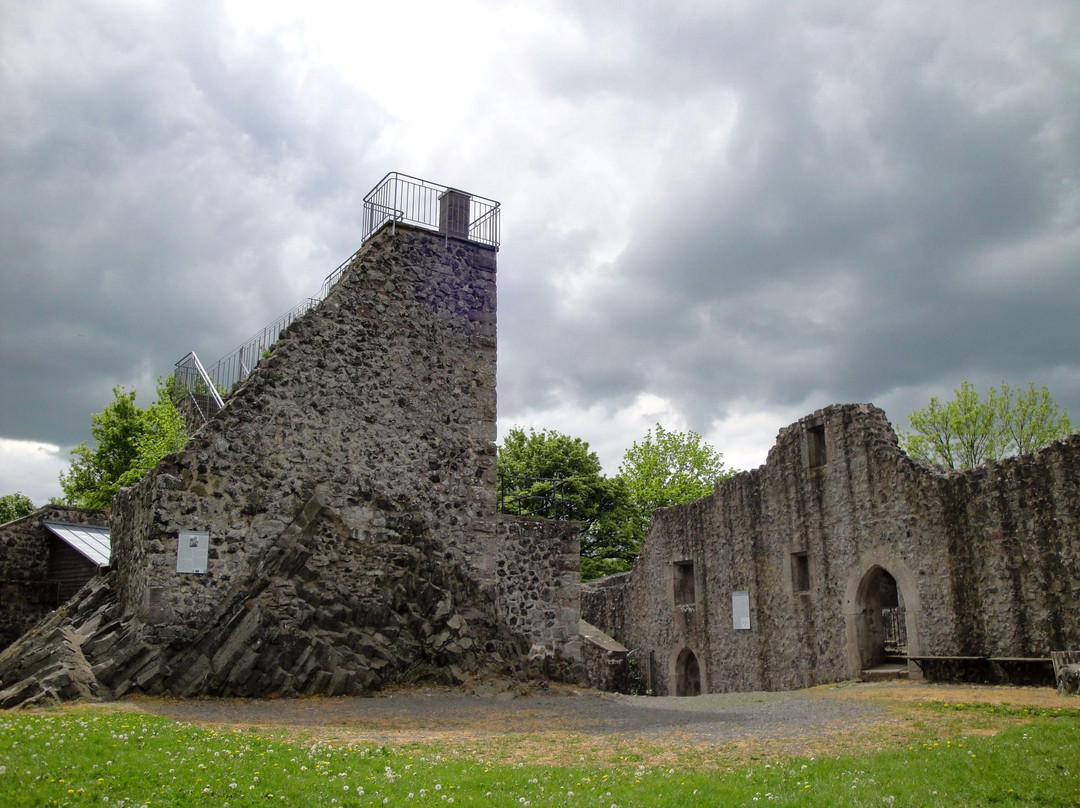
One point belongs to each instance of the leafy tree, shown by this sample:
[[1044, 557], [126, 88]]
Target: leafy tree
[[555, 476], [15, 506], [128, 442], [969, 430], [668, 468], [163, 431], [1029, 418]]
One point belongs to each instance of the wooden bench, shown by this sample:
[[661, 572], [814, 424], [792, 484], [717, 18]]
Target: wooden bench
[[996, 670]]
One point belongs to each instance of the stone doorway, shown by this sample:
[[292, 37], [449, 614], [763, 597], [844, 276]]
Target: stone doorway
[[881, 619], [687, 674]]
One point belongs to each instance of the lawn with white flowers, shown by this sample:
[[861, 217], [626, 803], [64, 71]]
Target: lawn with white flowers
[[960, 755]]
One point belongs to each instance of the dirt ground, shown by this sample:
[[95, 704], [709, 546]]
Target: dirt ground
[[567, 723]]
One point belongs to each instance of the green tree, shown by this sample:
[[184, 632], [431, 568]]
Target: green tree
[[554, 476], [970, 430], [15, 506], [668, 468], [1029, 418], [163, 431], [128, 442]]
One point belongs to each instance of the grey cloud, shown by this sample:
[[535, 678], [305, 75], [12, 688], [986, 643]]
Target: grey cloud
[[897, 207], [886, 201], [153, 177]]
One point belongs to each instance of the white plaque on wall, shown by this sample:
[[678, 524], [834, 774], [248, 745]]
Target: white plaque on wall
[[192, 551], [740, 610]]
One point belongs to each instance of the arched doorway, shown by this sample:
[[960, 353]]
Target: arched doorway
[[881, 627], [687, 674]]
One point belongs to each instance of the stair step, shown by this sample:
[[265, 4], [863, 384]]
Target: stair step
[[882, 673]]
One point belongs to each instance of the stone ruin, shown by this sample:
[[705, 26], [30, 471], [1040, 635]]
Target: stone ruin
[[39, 571], [842, 553], [333, 529]]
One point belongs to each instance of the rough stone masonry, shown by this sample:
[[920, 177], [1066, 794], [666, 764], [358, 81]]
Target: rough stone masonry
[[347, 495], [783, 577]]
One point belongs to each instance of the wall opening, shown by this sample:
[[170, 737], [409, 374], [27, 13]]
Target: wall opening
[[683, 580], [687, 674], [815, 446], [880, 614], [800, 572]]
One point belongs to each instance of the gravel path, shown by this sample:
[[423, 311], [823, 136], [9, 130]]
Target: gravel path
[[427, 714]]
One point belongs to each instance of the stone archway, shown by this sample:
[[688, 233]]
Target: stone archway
[[879, 613], [687, 674], [868, 593]]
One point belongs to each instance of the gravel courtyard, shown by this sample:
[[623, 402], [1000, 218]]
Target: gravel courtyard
[[844, 716]]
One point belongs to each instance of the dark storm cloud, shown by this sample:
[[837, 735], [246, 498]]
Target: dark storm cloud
[[877, 166], [164, 188], [736, 207]]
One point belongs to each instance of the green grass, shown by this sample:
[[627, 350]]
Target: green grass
[[91, 756]]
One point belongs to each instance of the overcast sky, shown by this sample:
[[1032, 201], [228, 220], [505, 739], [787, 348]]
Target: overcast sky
[[716, 215]]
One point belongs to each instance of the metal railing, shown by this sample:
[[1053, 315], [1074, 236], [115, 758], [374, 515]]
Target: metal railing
[[197, 397], [544, 497], [410, 200], [895, 629], [397, 198], [235, 366]]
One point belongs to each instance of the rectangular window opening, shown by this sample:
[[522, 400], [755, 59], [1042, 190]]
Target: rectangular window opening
[[800, 572], [815, 445], [684, 583]]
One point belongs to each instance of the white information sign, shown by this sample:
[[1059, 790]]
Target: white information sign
[[192, 551], [740, 610]]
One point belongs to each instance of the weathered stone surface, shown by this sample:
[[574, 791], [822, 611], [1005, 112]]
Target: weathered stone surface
[[1070, 680], [605, 660], [348, 490], [985, 563], [48, 663], [537, 583], [602, 604]]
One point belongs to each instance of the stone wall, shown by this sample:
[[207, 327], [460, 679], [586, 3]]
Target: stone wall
[[26, 592], [538, 582], [384, 394], [602, 603], [347, 490], [605, 660], [984, 562]]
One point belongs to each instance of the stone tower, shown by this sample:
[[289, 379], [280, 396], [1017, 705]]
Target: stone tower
[[334, 527]]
